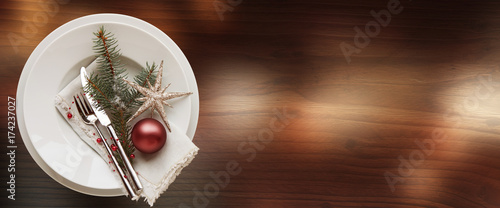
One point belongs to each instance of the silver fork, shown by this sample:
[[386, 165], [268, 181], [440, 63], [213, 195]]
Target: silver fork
[[89, 118]]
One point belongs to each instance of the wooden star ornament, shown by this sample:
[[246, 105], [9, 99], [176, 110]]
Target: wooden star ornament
[[155, 97]]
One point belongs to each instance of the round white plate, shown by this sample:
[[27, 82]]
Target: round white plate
[[54, 146]]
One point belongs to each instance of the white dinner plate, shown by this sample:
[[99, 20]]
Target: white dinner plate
[[52, 143]]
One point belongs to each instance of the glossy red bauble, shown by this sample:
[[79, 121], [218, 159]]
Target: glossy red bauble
[[148, 135]]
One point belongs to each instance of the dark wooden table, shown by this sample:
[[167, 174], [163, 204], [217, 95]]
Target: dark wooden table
[[321, 103]]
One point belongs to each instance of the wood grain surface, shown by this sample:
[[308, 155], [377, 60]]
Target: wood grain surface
[[413, 120]]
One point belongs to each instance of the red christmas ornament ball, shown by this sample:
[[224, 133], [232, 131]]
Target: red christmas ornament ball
[[148, 135]]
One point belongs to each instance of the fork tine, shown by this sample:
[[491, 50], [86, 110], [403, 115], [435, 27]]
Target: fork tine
[[87, 104], [79, 107], [82, 105]]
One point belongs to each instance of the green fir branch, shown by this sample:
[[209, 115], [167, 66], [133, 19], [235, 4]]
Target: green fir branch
[[113, 94], [146, 74]]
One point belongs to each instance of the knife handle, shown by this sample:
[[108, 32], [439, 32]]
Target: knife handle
[[125, 159], [128, 187]]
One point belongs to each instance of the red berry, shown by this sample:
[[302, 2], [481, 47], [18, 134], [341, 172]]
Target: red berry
[[98, 140], [132, 156], [70, 115], [114, 147]]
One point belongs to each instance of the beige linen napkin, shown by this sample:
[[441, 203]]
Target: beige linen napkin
[[156, 171]]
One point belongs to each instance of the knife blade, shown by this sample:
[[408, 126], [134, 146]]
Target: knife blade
[[105, 121]]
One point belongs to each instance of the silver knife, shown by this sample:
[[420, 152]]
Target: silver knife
[[105, 121]]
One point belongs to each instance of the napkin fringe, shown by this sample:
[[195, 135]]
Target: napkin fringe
[[170, 177]]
